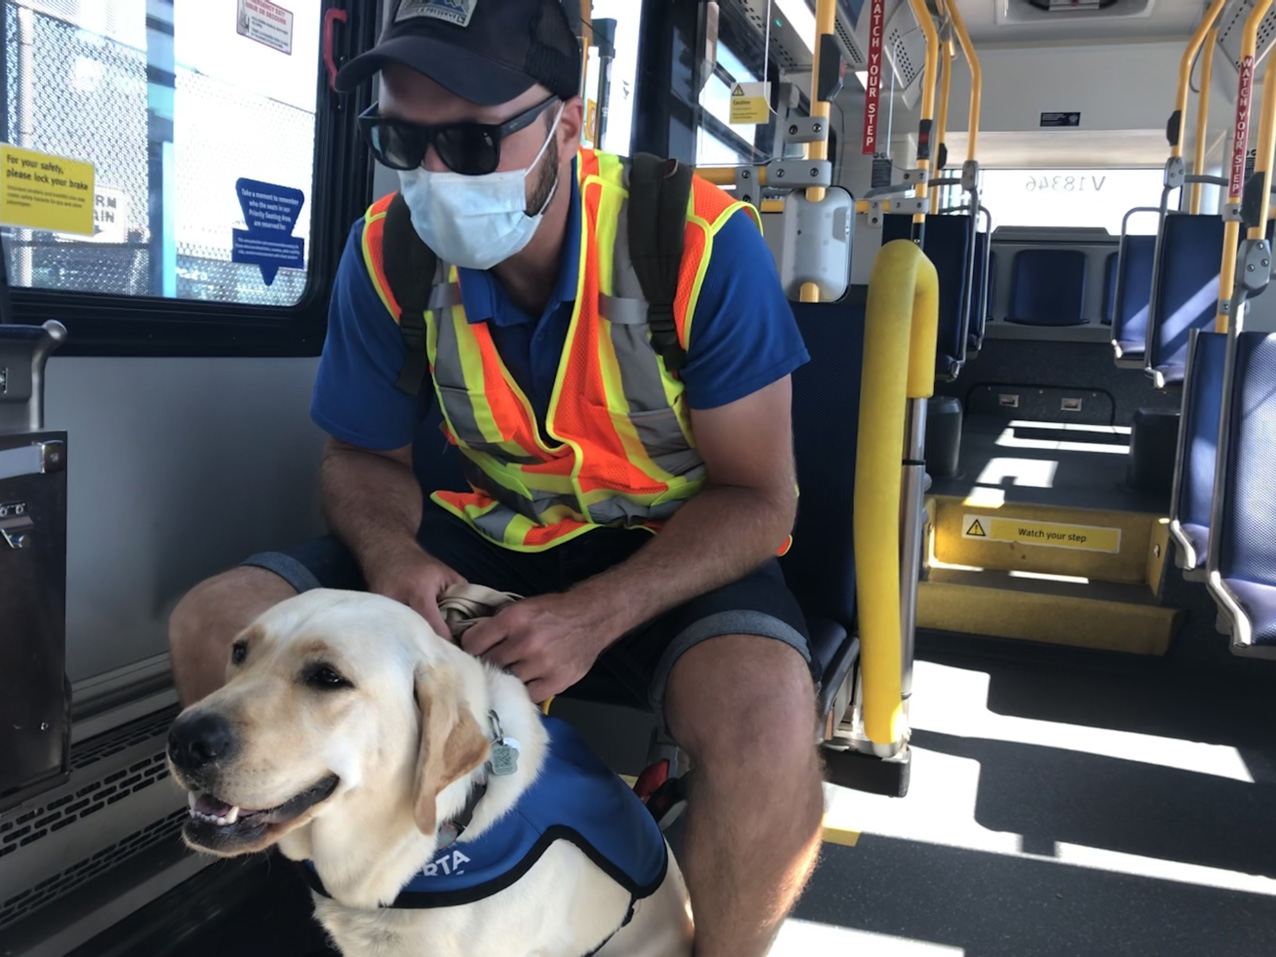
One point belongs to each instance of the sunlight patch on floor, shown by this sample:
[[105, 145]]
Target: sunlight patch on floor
[[800, 938]]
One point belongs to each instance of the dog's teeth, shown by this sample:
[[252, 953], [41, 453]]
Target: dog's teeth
[[233, 816], [191, 800]]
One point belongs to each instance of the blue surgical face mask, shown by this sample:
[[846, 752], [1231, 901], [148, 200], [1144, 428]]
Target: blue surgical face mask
[[475, 222]]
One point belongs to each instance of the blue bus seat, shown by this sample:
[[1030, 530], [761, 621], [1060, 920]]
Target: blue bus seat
[[1243, 555], [1193, 495], [947, 245], [820, 567], [1186, 294], [1048, 287], [1131, 293], [1109, 287]]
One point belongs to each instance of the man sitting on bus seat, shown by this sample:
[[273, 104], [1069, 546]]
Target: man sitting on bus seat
[[640, 509]]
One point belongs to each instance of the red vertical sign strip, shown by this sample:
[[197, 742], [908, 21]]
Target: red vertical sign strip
[[873, 88], [1240, 135]]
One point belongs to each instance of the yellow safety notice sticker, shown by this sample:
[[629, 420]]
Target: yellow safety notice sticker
[[1086, 538], [751, 103], [41, 191]]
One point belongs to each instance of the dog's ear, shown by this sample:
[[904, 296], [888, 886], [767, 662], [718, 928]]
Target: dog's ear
[[452, 743]]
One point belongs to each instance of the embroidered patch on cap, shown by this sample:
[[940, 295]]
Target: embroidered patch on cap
[[450, 11]]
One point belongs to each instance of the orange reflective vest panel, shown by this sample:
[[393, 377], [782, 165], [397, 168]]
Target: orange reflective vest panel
[[620, 449]]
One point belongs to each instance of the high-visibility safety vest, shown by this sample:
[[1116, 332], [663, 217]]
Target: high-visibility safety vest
[[621, 451]]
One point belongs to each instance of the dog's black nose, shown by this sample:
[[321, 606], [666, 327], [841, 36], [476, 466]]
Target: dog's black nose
[[197, 740]]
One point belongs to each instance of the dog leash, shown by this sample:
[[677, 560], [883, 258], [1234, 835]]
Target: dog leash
[[463, 606]]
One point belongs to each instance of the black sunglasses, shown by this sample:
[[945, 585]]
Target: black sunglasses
[[472, 149]]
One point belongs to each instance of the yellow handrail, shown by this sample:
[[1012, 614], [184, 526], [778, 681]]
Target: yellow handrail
[[825, 22], [1266, 145], [725, 175], [1185, 67], [1203, 116], [928, 89], [941, 118], [1240, 144], [976, 77], [899, 364]]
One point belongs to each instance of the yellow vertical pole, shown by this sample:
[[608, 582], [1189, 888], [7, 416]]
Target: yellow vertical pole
[[1240, 144], [1265, 148], [941, 118], [928, 92], [825, 22], [1203, 115], [976, 78], [1185, 67]]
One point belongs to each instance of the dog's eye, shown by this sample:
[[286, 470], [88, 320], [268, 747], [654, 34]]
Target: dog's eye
[[325, 677], [238, 652]]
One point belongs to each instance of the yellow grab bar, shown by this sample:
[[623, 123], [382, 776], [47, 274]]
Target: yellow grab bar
[[1185, 67], [976, 76], [941, 119], [1203, 116], [1240, 145], [1266, 145], [825, 22], [725, 175], [900, 335], [928, 89]]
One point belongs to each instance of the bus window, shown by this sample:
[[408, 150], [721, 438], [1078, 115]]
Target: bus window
[[173, 122], [718, 142], [1072, 197], [618, 130]]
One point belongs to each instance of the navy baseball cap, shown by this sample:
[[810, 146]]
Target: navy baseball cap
[[485, 51]]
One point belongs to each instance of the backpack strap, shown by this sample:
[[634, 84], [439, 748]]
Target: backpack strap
[[658, 193], [411, 269]]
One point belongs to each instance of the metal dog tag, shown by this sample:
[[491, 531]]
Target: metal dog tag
[[504, 760]]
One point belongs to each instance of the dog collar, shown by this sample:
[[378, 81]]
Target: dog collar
[[502, 761]]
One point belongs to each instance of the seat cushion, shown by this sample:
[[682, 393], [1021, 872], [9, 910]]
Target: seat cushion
[[1259, 604], [827, 638]]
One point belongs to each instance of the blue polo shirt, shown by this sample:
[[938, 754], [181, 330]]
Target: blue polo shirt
[[743, 336]]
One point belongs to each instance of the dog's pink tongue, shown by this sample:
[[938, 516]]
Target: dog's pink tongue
[[207, 804]]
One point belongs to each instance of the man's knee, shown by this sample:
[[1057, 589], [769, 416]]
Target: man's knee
[[744, 701], [206, 619]]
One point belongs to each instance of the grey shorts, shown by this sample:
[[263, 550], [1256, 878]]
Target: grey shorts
[[635, 670]]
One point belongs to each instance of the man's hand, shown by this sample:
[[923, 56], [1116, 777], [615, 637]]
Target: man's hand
[[549, 642], [418, 581]]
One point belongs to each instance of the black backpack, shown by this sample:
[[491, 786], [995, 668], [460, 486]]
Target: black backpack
[[658, 193]]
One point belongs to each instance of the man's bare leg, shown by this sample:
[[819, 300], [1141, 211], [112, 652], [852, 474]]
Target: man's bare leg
[[743, 708], [206, 621]]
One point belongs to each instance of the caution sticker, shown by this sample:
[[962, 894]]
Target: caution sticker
[[42, 191], [751, 103], [1086, 538]]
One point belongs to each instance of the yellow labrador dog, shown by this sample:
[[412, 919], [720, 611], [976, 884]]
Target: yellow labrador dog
[[434, 809]]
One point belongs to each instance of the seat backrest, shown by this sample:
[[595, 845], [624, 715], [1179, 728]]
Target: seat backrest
[[1245, 511], [820, 568], [947, 245], [1202, 402], [1109, 287], [1186, 295], [1131, 293], [1048, 287]]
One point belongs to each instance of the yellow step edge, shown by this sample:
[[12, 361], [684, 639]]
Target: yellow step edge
[[1133, 533], [1134, 628]]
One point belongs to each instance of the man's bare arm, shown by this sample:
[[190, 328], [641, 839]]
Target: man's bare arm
[[373, 503]]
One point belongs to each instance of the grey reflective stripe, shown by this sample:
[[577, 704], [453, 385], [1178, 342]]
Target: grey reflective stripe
[[448, 371], [494, 523], [627, 312], [533, 508], [444, 295], [641, 371], [621, 511]]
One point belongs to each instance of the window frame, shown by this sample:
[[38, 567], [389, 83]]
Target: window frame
[[121, 325]]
